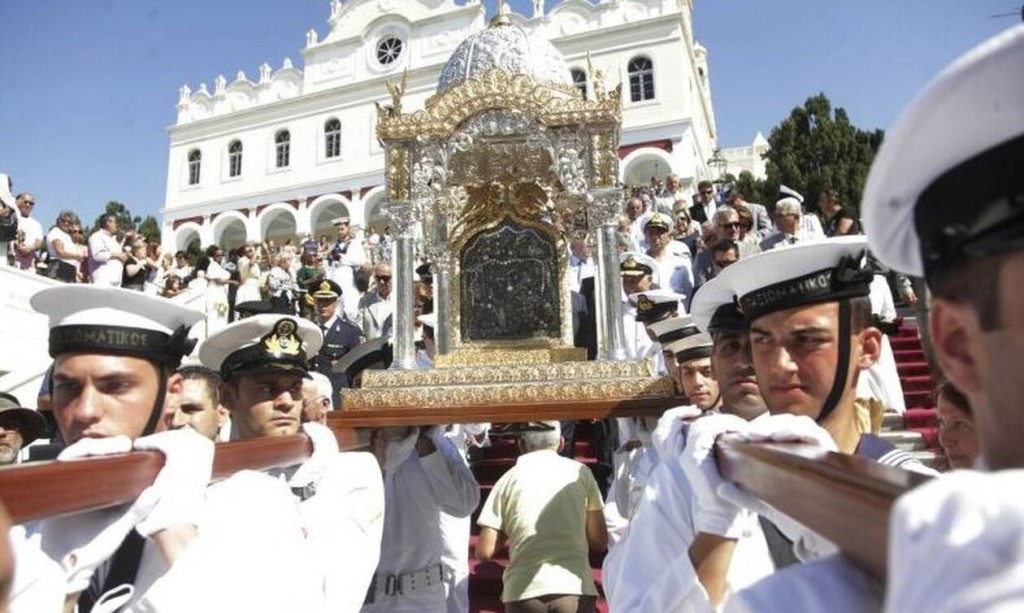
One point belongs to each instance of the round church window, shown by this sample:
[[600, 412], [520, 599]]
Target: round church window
[[388, 50]]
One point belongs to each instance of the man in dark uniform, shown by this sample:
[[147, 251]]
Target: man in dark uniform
[[340, 335]]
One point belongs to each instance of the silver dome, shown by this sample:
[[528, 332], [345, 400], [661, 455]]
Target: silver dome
[[508, 47]]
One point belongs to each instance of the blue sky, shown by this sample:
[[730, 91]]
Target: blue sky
[[89, 88]]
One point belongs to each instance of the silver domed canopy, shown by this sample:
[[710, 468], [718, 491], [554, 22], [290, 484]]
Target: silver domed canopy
[[507, 47]]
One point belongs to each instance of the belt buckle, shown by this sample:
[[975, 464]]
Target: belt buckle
[[393, 585]]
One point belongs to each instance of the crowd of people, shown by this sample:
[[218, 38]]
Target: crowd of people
[[772, 327]]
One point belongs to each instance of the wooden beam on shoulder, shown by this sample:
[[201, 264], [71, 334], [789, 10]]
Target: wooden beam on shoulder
[[844, 498]]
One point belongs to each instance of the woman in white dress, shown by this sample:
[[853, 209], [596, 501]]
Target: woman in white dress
[[217, 281], [249, 276]]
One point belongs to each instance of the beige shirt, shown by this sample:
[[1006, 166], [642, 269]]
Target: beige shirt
[[541, 503]]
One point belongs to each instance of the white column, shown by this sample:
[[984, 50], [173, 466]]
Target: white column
[[606, 207], [402, 215]]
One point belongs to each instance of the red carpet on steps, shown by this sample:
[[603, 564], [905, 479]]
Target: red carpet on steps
[[492, 462], [488, 465]]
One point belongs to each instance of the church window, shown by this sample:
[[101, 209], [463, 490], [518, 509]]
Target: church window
[[389, 49], [579, 81], [332, 138], [283, 146], [195, 160], [641, 79], [235, 158]]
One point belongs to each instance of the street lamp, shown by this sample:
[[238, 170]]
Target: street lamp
[[718, 165]]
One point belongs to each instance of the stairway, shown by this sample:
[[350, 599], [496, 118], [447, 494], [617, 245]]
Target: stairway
[[916, 430], [489, 464]]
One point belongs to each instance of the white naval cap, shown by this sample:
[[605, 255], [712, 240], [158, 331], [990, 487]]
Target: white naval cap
[[262, 343], [805, 273], [694, 347], [632, 263], [714, 308], [656, 304], [109, 320], [947, 181], [337, 221], [789, 192], [672, 329]]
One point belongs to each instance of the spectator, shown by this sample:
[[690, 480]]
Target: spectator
[[705, 204], [105, 253], [670, 195], [217, 280], [281, 286], [957, 435], [762, 222], [788, 216], [746, 226], [65, 255], [673, 268], [8, 219], [249, 275], [581, 262], [376, 307], [18, 427], [136, 266], [83, 246], [635, 209], [32, 233], [684, 229], [550, 509], [839, 221], [316, 398], [728, 225], [172, 287], [182, 267]]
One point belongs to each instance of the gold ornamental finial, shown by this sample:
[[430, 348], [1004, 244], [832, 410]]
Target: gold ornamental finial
[[503, 16]]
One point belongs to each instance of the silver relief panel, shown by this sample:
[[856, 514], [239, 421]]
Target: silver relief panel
[[510, 285]]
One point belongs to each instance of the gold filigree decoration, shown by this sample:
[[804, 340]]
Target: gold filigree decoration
[[605, 159], [548, 104], [397, 172], [523, 392], [511, 371]]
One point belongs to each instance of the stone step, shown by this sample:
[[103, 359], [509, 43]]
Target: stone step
[[905, 440], [892, 422], [931, 459]]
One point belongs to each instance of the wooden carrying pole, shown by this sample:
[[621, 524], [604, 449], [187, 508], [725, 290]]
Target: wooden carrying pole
[[34, 491], [844, 498]]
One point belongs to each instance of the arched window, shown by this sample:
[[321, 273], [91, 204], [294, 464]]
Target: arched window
[[235, 158], [332, 138], [641, 79], [283, 145], [195, 161], [579, 80]]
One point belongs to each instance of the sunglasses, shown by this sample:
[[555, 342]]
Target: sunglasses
[[724, 263], [732, 225], [384, 278]]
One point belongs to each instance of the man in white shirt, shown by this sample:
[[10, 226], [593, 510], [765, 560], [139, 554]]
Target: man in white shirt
[[674, 270], [581, 264], [106, 258], [788, 220], [31, 233], [377, 307]]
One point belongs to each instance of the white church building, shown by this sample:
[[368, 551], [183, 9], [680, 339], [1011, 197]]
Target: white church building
[[282, 154]]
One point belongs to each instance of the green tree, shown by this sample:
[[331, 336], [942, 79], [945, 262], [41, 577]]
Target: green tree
[[150, 228], [816, 148], [126, 222]]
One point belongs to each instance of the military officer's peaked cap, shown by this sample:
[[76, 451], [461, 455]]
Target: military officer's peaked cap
[[655, 305], [326, 289], [260, 344], [636, 264]]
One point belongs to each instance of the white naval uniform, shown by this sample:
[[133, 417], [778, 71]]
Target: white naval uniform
[[650, 569], [415, 493], [674, 271], [455, 531], [343, 520], [631, 469], [249, 555]]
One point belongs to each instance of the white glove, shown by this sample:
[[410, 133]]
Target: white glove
[[785, 428], [325, 449], [712, 514], [81, 542], [792, 428], [179, 492]]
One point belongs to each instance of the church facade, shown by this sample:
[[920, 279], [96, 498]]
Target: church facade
[[282, 154]]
